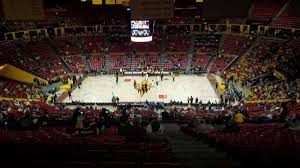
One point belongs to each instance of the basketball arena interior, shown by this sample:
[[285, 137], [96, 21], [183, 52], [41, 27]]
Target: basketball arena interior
[[149, 83]]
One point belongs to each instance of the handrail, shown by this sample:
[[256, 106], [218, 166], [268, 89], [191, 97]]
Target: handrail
[[228, 28]]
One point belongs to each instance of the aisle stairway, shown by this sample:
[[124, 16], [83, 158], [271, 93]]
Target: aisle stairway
[[189, 63], [87, 67], [80, 45], [253, 45], [190, 53], [193, 153], [107, 54], [162, 58], [283, 8], [211, 61]]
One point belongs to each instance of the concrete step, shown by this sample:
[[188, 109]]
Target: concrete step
[[211, 164], [191, 145], [193, 153], [194, 149], [204, 155]]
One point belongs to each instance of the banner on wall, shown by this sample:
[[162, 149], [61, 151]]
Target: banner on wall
[[110, 2], [23, 9], [97, 2], [122, 2]]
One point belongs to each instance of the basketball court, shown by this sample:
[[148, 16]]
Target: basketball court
[[100, 89]]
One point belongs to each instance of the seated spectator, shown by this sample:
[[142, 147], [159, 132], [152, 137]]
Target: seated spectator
[[208, 126], [44, 118], [239, 118], [266, 119], [135, 133], [283, 113], [11, 122], [2, 120], [231, 127], [219, 124], [26, 123], [79, 123], [295, 125], [100, 126], [155, 127]]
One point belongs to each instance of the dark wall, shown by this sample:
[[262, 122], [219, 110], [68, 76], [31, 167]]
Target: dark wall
[[53, 3], [184, 3], [294, 8], [226, 8]]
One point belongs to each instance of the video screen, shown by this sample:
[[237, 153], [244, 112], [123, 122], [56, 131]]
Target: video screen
[[140, 31], [140, 24]]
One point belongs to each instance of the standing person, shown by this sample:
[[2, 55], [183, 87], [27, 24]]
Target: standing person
[[143, 88], [79, 81], [138, 88], [162, 76], [221, 98], [117, 78], [147, 76], [117, 100], [79, 84], [159, 117], [146, 87], [113, 100], [196, 100], [54, 98], [134, 83], [74, 80], [173, 76], [70, 95], [192, 100]]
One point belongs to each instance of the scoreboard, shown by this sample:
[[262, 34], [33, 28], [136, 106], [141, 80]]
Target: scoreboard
[[140, 31]]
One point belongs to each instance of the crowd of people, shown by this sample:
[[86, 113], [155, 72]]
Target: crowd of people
[[269, 70], [133, 123], [268, 77]]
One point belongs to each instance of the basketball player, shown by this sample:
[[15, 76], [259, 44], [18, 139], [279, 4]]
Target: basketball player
[[173, 76], [117, 78], [147, 76], [162, 76], [134, 84], [70, 95]]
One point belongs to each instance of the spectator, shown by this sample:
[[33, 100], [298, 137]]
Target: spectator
[[100, 126], [26, 123], [155, 127], [135, 132], [239, 118], [2, 120], [11, 122]]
